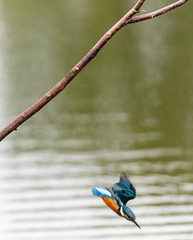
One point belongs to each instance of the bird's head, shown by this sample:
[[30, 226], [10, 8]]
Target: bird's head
[[128, 214]]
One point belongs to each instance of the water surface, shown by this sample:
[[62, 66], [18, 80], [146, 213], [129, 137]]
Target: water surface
[[129, 110]]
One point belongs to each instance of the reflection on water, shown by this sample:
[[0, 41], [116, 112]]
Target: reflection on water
[[46, 198], [128, 111]]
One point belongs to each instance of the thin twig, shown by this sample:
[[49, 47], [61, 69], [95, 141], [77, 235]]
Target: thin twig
[[158, 12], [127, 19]]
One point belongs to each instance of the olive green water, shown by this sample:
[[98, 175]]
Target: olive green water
[[130, 109]]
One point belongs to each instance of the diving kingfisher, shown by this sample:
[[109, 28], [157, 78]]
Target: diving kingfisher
[[117, 196]]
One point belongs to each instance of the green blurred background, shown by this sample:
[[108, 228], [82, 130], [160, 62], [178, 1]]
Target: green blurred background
[[129, 110]]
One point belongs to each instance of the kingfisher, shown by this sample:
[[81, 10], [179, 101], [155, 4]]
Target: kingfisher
[[117, 196]]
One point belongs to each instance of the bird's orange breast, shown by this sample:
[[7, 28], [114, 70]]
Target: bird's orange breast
[[111, 203]]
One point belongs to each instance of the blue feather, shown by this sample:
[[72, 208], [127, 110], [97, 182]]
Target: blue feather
[[101, 192], [124, 189]]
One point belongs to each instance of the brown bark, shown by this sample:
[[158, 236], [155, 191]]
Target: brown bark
[[127, 19]]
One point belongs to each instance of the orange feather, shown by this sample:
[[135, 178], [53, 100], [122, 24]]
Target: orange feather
[[111, 203]]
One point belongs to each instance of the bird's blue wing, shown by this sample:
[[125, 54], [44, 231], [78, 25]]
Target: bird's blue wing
[[101, 192], [124, 189]]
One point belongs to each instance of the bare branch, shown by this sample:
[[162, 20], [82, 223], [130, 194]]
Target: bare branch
[[127, 19], [72, 73], [158, 12]]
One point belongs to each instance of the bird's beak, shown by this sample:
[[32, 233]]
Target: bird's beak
[[136, 224]]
